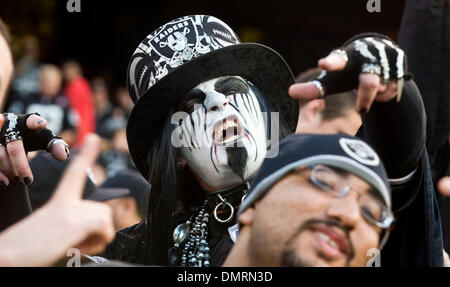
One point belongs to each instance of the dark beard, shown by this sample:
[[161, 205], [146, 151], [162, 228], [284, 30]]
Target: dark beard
[[237, 160], [290, 259]]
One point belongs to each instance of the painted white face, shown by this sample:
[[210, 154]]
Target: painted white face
[[223, 137]]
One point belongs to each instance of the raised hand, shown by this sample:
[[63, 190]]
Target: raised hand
[[373, 64], [66, 221], [20, 134]]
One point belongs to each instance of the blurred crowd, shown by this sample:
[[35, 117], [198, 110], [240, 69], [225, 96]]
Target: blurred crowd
[[74, 107]]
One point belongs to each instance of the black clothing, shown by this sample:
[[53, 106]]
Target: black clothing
[[425, 37], [417, 236], [397, 131], [129, 243], [14, 204]]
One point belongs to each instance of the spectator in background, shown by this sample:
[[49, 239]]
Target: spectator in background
[[124, 101], [103, 106], [26, 79], [117, 157], [127, 194], [108, 118], [50, 104], [79, 94], [110, 125], [330, 115]]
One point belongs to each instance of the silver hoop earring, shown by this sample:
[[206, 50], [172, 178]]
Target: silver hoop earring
[[224, 204]]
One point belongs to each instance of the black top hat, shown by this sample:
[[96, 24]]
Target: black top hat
[[185, 52]]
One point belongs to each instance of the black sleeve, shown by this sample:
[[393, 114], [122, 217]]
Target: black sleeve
[[128, 245], [425, 37], [397, 131], [14, 204]]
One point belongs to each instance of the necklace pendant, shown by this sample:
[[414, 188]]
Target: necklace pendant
[[181, 233]]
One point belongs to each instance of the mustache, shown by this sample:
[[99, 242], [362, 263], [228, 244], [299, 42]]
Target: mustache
[[237, 160], [332, 223]]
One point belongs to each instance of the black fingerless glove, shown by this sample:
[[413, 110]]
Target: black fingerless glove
[[364, 49], [15, 127]]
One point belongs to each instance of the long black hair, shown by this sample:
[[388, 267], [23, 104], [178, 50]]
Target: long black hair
[[175, 194]]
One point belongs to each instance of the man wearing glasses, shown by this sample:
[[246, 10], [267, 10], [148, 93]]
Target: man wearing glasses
[[324, 200]]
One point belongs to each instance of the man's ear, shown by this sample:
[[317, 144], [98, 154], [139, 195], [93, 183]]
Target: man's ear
[[129, 203], [246, 218], [314, 109]]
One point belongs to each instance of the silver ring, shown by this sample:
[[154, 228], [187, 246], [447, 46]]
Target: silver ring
[[371, 68], [341, 53], [12, 136], [319, 87], [226, 204], [66, 146]]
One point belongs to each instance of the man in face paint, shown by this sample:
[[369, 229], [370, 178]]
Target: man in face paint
[[223, 137], [198, 133]]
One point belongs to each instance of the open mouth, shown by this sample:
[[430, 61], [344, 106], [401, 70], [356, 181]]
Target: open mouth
[[332, 242], [227, 130]]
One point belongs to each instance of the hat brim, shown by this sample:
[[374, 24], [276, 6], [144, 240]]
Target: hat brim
[[259, 64]]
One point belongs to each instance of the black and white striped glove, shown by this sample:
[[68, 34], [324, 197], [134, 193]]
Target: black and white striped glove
[[365, 53]]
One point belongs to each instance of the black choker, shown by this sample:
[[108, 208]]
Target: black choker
[[194, 233]]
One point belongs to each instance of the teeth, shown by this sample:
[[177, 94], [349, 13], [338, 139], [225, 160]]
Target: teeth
[[229, 124], [230, 139], [327, 239], [222, 128]]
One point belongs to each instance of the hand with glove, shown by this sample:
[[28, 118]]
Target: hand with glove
[[65, 221], [20, 134], [371, 63]]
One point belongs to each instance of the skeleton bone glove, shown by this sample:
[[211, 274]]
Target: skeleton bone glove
[[365, 53], [15, 128]]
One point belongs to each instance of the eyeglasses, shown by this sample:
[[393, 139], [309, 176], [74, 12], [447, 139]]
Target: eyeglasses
[[374, 210]]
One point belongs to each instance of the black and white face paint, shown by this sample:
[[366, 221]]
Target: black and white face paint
[[223, 137]]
